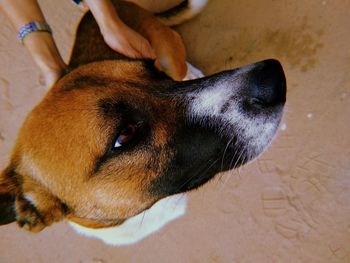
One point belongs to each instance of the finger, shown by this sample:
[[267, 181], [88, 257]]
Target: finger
[[134, 50], [124, 48], [131, 52], [145, 49]]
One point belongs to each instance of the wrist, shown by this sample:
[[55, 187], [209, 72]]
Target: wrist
[[44, 52], [31, 27]]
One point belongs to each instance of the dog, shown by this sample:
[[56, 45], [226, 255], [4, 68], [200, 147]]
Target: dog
[[116, 137]]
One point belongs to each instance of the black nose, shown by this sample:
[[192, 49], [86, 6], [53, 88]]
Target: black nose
[[268, 84]]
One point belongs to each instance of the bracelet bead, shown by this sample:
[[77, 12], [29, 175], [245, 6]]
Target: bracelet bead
[[31, 27]]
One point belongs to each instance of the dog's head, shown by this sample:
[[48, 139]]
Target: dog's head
[[112, 138]]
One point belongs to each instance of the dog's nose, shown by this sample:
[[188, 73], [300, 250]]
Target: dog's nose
[[268, 84]]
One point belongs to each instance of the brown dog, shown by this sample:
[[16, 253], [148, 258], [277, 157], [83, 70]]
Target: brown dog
[[114, 135]]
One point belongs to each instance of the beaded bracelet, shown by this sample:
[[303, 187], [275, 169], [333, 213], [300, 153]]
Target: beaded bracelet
[[31, 27]]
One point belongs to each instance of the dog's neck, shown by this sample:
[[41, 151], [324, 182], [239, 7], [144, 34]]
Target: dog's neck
[[140, 226]]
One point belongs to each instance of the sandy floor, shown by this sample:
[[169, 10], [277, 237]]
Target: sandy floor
[[290, 205]]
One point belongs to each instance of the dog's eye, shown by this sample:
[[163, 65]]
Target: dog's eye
[[126, 135]]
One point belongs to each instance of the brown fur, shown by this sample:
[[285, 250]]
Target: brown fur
[[65, 163], [36, 142], [69, 108]]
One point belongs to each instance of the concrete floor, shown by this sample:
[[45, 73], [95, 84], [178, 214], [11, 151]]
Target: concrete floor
[[290, 205]]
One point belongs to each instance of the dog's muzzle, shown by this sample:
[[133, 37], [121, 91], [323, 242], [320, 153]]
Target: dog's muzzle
[[243, 105], [230, 119]]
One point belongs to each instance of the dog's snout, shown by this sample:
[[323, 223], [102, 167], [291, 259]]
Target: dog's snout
[[268, 84], [238, 111]]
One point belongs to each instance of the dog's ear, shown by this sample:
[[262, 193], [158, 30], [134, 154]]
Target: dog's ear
[[27, 202], [8, 192]]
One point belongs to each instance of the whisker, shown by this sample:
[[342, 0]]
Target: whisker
[[143, 217], [223, 184], [199, 172], [222, 162], [238, 159], [223, 156], [220, 177]]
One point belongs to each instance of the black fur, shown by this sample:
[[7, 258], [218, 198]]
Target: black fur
[[7, 210], [199, 155]]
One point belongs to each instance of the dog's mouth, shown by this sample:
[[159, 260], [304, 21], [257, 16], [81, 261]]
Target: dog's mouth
[[231, 118]]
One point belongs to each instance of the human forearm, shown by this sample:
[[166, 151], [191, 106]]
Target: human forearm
[[21, 12], [40, 45]]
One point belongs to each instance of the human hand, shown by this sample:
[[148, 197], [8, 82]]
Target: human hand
[[126, 41], [50, 77], [118, 35], [40, 45]]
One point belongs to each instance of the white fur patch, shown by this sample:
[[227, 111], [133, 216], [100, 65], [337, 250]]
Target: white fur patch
[[192, 72], [140, 226], [255, 133], [30, 198], [194, 7]]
